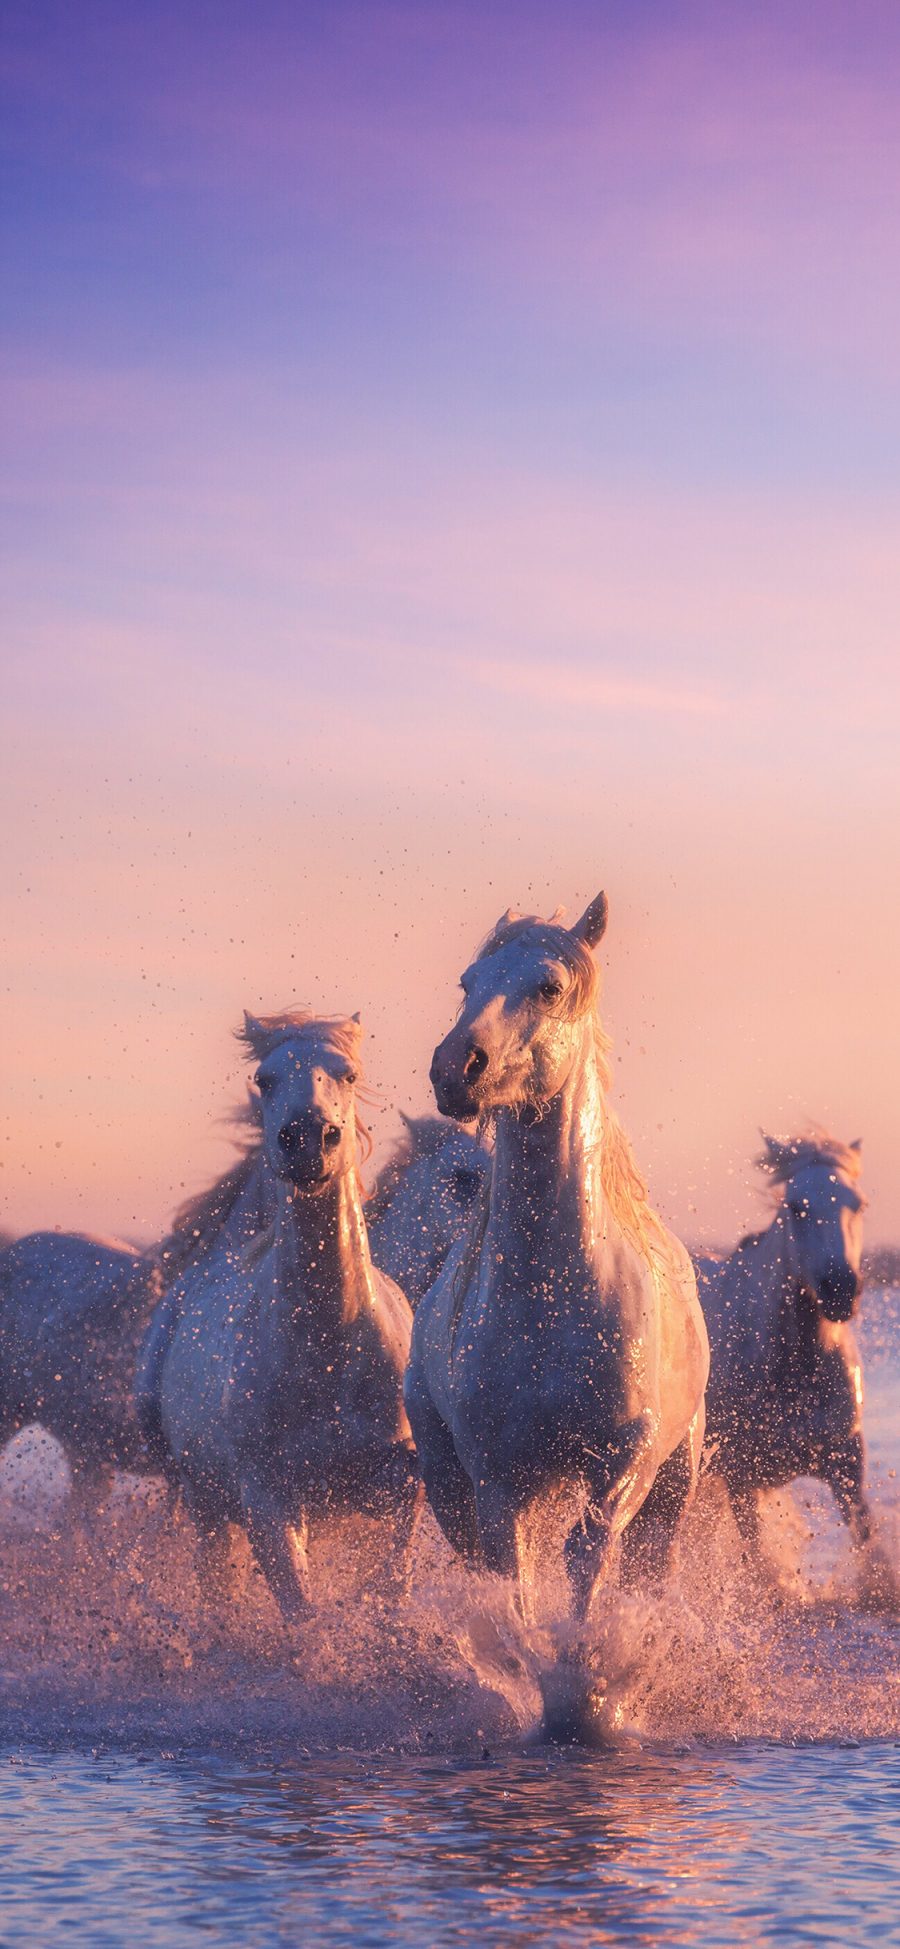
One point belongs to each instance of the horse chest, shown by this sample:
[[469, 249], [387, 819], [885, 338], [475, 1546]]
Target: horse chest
[[529, 1370]]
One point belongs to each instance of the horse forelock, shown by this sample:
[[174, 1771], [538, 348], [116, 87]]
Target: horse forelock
[[263, 1033], [784, 1157], [260, 1034], [557, 940]]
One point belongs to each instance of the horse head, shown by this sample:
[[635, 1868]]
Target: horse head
[[306, 1079], [519, 1030], [821, 1212]]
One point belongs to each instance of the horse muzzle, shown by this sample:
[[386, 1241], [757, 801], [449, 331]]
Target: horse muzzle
[[307, 1149], [455, 1077], [839, 1291]]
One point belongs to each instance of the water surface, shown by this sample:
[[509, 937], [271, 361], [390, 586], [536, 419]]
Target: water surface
[[168, 1777]]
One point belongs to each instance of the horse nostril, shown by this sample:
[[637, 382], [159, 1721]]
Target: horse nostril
[[475, 1065], [331, 1137]]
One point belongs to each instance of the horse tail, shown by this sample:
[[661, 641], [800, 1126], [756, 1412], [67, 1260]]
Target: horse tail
[[148, 1375]]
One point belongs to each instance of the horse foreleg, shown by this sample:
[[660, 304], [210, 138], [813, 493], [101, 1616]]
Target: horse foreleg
[[589, 1546], [447, 1485], [280, 1549], [497, 1529], [844, 1472], [878, 1583], [648, 1544], [221, 1580], [745, 1510]]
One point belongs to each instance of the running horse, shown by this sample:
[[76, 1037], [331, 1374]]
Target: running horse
[[785, 1396], [562, 1348], [270, 1383], [74, 1311]]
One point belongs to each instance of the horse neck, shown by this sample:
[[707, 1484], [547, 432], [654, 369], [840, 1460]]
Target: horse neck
[[546, 1170], [323, 1267], [793, 1316]]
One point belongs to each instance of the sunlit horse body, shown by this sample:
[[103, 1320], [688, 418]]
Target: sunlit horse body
[[73, 1314], [270, 1385], [562, 1348], [423, 1200], [785, 1393]]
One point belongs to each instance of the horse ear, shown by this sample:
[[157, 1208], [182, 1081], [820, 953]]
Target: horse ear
[[252, 1031], [856, 1144], [592, 925]]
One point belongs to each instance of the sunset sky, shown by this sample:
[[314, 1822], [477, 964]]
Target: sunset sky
[[451, 461]]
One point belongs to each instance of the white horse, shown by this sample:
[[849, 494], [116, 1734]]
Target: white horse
[[422, 1201], [785, 1394], [563, 1346], [273, 1373], [73, 1312]]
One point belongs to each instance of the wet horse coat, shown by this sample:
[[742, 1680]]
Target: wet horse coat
[[73, 1314], [423, 1200], [785, 1392], [562, 1345], [273, 1375], [73, 1311]]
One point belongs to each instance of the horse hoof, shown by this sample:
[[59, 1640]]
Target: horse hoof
[[573, 1707]]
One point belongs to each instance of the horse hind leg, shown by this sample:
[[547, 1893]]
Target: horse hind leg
[[280, 1545]]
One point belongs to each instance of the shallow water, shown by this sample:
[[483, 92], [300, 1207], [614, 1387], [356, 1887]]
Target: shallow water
[[166, 1774]]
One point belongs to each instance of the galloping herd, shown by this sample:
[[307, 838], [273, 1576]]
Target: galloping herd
[[514, 1326]]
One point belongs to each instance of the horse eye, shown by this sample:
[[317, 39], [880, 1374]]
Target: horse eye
[[350, 1076], [551, 991], [263, 1083]]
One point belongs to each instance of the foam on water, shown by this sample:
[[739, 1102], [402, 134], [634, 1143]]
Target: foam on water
[[106, 1635]]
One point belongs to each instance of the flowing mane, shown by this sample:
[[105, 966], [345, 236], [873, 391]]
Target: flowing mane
[[623, 1187], [783, 1157], [200, 1219]]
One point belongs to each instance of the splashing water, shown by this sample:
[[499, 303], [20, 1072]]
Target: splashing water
[[106, 1633]]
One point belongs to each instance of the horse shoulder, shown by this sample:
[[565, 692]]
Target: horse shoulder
[[394, 1318]]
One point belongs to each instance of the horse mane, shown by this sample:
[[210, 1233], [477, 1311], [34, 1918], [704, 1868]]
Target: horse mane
[[200, 1219], [562, 944], [420, 1137], [784, 1156], [624, 1189]]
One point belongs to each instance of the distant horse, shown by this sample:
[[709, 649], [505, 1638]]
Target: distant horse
[[562, 1347], [270, 1380], [422, 1201], [73, 1313], [785, 1391]]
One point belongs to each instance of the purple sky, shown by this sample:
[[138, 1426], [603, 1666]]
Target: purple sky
[[451, 459]]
